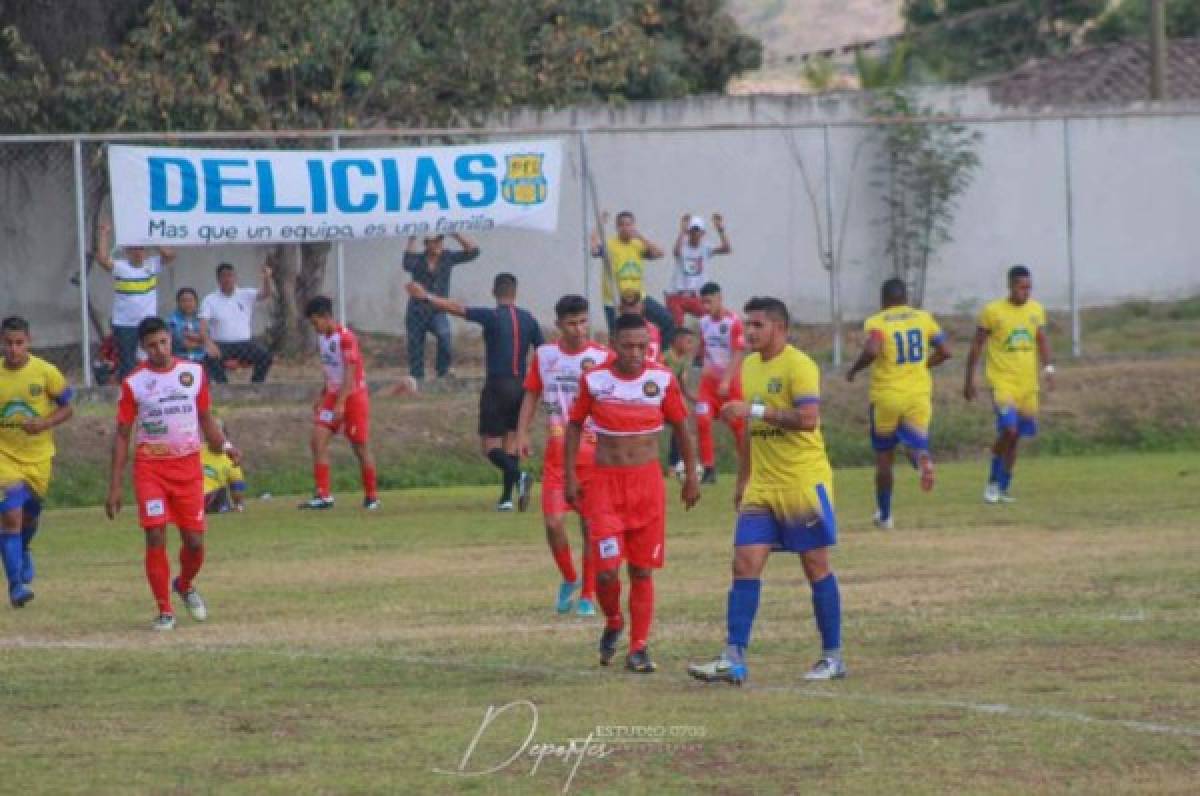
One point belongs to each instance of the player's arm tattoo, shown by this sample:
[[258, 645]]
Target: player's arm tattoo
[[805, 417]]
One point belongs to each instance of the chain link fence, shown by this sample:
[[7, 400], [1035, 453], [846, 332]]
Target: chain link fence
[[1099, 206]]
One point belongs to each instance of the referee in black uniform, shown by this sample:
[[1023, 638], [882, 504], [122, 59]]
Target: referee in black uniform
[[509, 334]]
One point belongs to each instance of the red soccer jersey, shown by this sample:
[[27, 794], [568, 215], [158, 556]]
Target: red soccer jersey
[[654, 351], [341, 359], [554, 374], [721, 337], [625, 406], [165, 406]]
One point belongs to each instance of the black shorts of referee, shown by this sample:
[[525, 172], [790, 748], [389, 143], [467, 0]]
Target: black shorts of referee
[[500, 405]]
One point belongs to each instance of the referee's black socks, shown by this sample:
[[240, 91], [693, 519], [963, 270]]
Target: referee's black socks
[[508, 464]]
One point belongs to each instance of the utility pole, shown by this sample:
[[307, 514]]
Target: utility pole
[[1158, 50]]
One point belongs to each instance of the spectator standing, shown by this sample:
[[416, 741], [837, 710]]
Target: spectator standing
[[431, 270], [693, 258], [184, 323], [227, 325], [135, 292], [625, 254]]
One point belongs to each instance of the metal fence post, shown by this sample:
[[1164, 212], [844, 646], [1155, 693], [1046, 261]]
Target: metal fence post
[[81, 241], [835, 298], [1072, 277], [340, 260], [583, 215]]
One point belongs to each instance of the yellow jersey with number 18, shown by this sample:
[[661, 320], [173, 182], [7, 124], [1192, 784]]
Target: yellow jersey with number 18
[[31, 391], [1012, 356], [781, 458], [906, 337]]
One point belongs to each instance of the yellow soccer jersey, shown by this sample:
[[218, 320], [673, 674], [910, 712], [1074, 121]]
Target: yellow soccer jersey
[[31, 391], [1012, 357], [780, 458], [219, 471], [907, 336], [628, 265]]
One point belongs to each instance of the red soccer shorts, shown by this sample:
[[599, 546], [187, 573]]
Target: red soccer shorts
[[710, 401], [626, 513], [170, 491], [679, 304], [355, 422], [554, 488]]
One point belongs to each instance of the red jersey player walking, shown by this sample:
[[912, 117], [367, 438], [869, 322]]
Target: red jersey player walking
[[342, 405], [168, 400], [553, 381], [720, 380], [624, 504]]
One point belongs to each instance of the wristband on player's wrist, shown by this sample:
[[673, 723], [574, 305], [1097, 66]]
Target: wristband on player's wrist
[[758, 411], [226, 446]]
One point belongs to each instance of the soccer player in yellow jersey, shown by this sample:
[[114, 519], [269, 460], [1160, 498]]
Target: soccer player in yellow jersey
[[224, 483], [902, 345], [34, 398], [784, 492], [1013, 329]]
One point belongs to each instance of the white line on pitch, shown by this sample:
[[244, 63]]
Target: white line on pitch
[[995, 709]]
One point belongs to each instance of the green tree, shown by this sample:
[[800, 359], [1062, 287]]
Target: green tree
[[1131, 20], [923, 170]]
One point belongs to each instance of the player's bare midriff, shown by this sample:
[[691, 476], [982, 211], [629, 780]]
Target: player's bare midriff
[[626, 451]]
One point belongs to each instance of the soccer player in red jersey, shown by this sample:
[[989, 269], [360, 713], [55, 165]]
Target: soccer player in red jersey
[[720, 381], [342, 404], [623, 503], [553, 381], [168, 401]]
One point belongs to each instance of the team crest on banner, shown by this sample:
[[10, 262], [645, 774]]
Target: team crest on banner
[[523, 183]]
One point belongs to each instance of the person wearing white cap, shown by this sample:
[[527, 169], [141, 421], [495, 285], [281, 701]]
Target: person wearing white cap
[[692, 259]]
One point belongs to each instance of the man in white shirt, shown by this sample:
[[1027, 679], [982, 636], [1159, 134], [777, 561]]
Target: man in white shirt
[[227, 325], [693, 256], [135, 292]]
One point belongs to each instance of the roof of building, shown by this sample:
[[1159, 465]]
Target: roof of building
[[1106, 74]]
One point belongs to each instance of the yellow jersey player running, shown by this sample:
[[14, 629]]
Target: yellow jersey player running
[[1013, 330], [902, 345], [784, 492], [34, 398]]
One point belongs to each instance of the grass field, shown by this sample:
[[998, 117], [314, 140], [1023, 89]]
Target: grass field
[[1048, 646]]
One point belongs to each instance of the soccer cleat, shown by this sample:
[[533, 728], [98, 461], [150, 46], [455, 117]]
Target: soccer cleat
[[925, 465], [566, 597], [371, 503], [710, 476], [27, 568], [586, 607], [826, 669], [524, 491], [317, 503], [608, 645], [883, 524], [163, 622], [991, 493], [504, 505], [192, 599], [719, 670], [1007, 498], [640, 662], [20, 596], [680, 470]]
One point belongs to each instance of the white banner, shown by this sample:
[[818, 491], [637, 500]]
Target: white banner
[[194, 197]]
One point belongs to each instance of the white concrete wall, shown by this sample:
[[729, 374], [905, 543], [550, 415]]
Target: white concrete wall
[[1135, 181]]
